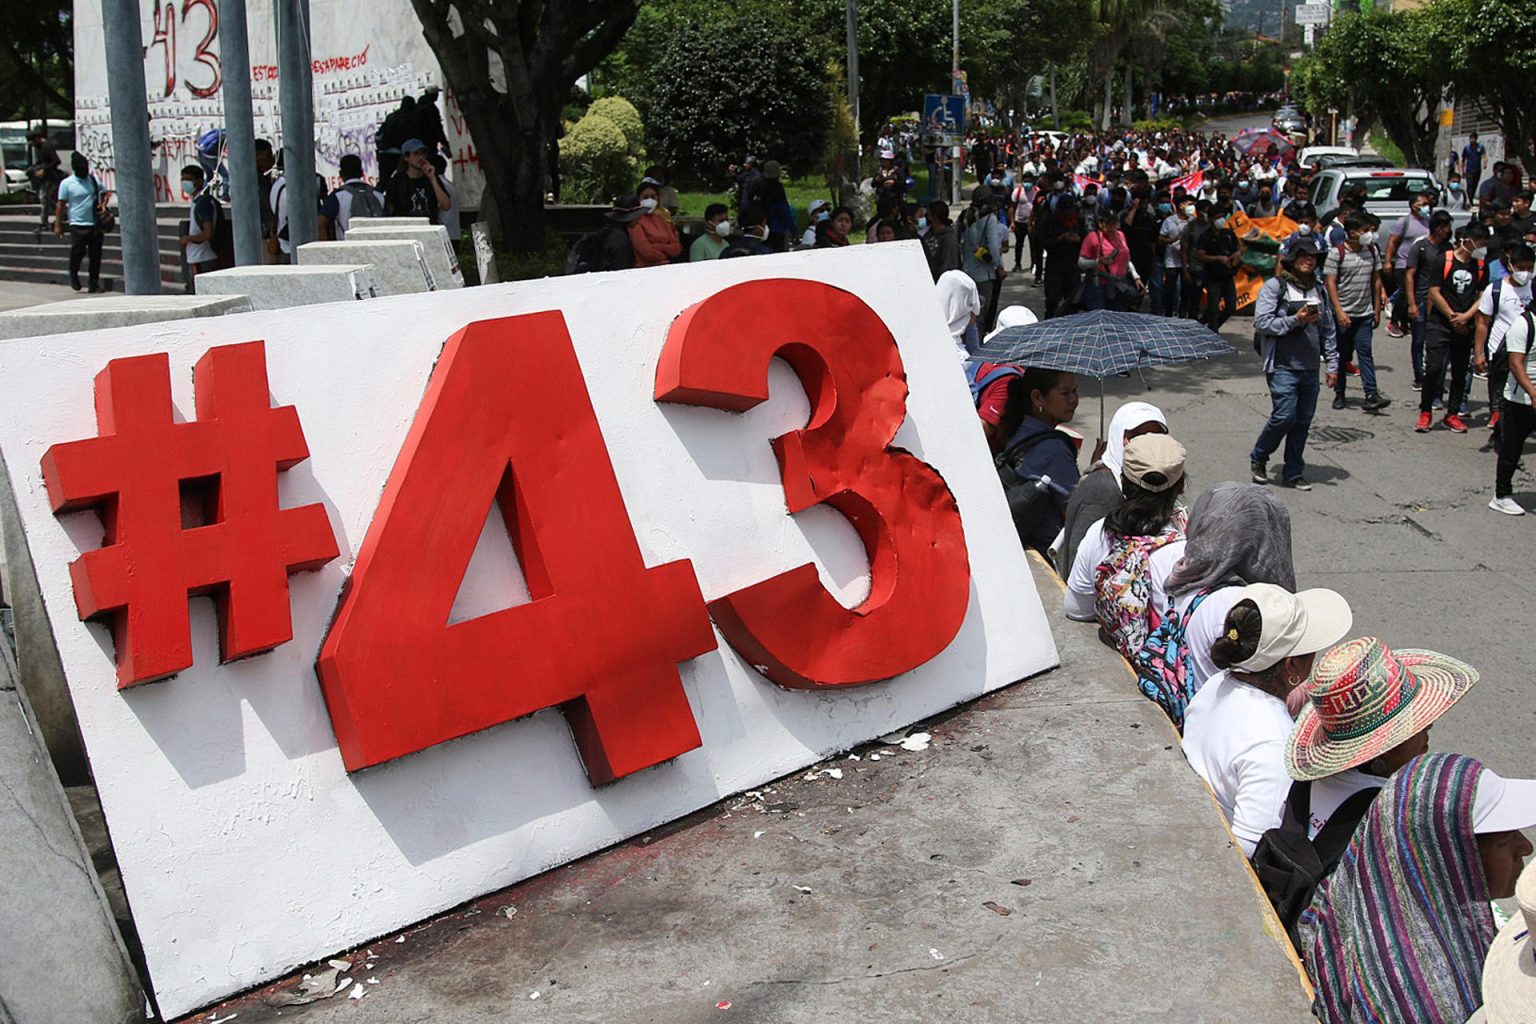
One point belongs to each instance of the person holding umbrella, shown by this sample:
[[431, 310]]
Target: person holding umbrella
[[1294, 329]]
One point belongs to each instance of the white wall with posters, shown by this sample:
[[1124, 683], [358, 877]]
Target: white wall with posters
[[365, 57]]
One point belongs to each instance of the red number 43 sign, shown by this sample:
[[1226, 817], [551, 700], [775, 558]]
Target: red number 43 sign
[[507, 418]]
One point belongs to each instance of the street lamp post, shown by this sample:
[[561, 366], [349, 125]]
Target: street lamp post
[[954, 164]]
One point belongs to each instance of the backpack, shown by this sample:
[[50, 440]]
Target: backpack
[[1122, 590], [1029, 497], [981, 381], [1290, 866], [588, 254], [1162, 665], [365, 201]]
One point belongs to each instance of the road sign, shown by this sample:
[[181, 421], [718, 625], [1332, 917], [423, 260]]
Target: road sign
[[1312, 14], [944, 116]]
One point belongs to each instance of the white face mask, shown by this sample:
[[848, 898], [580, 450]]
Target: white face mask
[[1480, 253], [1368, 238], [648, 205], [1189, 211], [723, 228], [1520, 277]]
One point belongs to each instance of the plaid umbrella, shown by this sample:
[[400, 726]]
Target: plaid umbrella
[[1262, 139], [1103, 342]]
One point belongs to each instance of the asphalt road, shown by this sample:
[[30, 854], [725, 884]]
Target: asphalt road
[[1397, 522]]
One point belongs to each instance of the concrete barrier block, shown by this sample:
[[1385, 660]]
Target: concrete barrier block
[[391, 222], [74, 315], [442, 258], [401, 266], [280, 286]]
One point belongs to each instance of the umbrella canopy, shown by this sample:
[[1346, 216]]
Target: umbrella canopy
[[1260, 140], [1102, 342]]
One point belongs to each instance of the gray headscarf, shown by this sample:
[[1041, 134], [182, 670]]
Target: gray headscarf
[[1238, 534]]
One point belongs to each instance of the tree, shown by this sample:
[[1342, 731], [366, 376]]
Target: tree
[[542, 47], [1390, 68], [37, 76], [1490, 47], [716, 83]]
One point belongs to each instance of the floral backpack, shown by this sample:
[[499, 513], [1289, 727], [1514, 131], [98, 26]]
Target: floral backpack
[[1162, 664], [1123, 590]]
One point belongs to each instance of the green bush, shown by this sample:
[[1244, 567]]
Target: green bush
[[623, 113], [596, 161], [1158, 124], [1076, 121]]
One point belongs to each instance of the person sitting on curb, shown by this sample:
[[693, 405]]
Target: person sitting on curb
[[1238, 534], [1236, 728], [1117, 576], [1098, 492], [1400, 930], [1367, 713], [1509, 980], [1294, 327]]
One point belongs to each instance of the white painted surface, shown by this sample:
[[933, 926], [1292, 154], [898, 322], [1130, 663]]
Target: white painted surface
[[401, 266], [281, 286], [93, 314], [442, 258], [244, 845]]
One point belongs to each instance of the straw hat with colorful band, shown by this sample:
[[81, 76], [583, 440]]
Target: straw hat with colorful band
[[1509, 973], [1366, 699]]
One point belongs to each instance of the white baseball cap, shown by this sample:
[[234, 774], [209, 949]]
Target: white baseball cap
[[1503, 805], [1294, 624]]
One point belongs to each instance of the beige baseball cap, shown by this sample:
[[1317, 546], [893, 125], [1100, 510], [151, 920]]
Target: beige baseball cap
[[1153, 462], [1293, 624]]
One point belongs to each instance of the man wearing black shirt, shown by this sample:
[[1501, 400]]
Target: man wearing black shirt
[[1425, 256], [1219, 252], [1454, 287], [414, 191]]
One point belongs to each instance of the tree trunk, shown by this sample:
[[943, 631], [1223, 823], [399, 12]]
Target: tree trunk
[[1126, 110], [1107, 118], [1055, 109]]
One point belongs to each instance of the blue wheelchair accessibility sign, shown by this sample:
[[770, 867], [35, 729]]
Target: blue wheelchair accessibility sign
[[944, 115]]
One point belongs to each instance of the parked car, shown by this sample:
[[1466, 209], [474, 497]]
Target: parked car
[[1309, 156], [1358, 160], [1388, 191], [1055, 138], [1289, 120]]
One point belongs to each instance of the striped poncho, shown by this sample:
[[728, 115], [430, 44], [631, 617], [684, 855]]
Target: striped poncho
[[1398, 933]]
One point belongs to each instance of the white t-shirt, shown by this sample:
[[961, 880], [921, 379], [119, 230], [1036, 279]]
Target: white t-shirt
[[1234, 738], [1518, 340], [1329, 794], [1173, 225], [1094, 547], [1201, 631], [1513, 298]]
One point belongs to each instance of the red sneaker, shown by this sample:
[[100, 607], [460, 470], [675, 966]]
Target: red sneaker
[[1425, 419], [1493, 421], [1352, 369], [1451, 420]]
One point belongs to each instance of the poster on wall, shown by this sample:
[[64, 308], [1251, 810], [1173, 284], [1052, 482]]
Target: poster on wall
[[363, 63], [483, 581]]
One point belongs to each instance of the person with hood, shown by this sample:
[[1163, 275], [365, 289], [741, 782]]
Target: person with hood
[[397, 127], [1099, 490], [983, 243], [1294, 326], [1238, 534], [653, 234], [961, 304], [1400, 930], [770, 195]]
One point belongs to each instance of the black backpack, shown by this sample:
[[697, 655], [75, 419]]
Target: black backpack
[[1028, 499], [365, 201], [1290, 866], [587, 255]]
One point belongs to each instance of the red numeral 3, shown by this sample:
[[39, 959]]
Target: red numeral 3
[[717, 354]]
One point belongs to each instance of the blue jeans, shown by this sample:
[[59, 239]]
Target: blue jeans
[[1355, 346], [1293, 394]]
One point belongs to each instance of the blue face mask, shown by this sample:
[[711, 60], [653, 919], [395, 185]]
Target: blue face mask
[[1165, 209], [823, 215]]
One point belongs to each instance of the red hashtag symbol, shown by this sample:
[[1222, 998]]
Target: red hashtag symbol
[[135, 473]]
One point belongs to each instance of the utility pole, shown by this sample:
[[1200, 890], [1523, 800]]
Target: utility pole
[[240, 132], [295, 92], [853, 89], [135, 183], [954, 79]]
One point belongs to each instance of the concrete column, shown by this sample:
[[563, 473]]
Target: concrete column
[[295, 87], [130, 146], [240, 131]]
